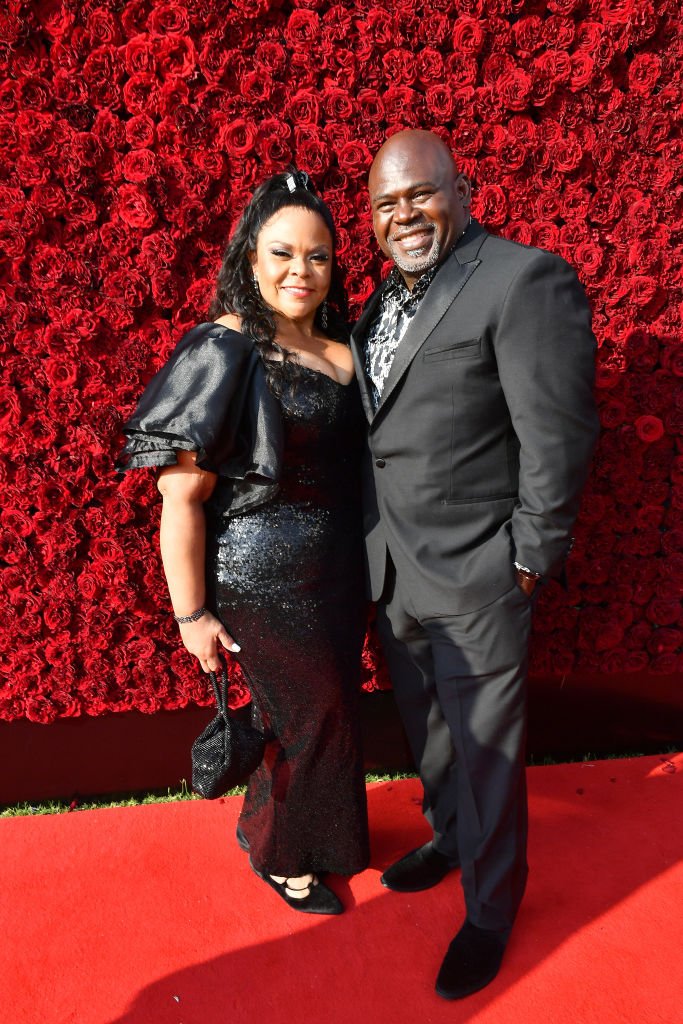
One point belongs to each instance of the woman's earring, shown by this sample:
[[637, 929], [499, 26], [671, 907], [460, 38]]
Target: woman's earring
[[256, 282], [323, 316]]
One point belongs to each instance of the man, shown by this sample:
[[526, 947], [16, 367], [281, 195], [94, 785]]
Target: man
[[475, 359]]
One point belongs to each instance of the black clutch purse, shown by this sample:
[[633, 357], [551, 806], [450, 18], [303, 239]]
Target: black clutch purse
[[227, 751]]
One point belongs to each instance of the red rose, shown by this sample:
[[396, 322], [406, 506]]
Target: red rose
[[168, 18], [140, 93], [127, 285], [528, 35], [461, 71], [566, 153], [490, 205], [176, 55], [587, 258], [12, 241], [665, 641], [402, 105], [613, 412], [559, 32], [664, 613], [135, 208], [644, 72], [370, 105], [400, 66], [61, 371], [237, 137], [139, 165], [466, 140], [39, 708], [380, 26], [140, 131], [103, 27], [511, 155], [469, 35], [339, 106], [102, 73], [158, 250], [354, 158], [165, 289], [312, 151], [139, 55], [272, 57], [304, 108], [514, 89], [563, 6], [519, 231], [582, 68], [545, 234], [56, 19], [302, 29], [360, 287]]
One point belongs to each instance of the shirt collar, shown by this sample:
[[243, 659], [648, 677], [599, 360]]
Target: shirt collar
[[397, 290]]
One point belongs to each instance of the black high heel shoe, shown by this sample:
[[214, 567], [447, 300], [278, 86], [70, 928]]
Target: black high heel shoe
[[320, 899]]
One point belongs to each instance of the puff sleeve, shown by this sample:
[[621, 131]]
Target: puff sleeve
[[194, 403]]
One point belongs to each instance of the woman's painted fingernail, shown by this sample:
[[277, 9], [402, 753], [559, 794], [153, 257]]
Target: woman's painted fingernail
[[235, 648]]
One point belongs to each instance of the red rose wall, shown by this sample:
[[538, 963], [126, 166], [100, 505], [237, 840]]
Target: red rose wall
[[131, 135]]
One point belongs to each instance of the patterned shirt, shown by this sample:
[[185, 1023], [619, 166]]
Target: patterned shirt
[[397, 308]]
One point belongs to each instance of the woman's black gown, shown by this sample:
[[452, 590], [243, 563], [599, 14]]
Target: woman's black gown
[[286, 579]]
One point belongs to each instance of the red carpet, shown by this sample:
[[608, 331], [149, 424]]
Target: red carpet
[[150, 915]]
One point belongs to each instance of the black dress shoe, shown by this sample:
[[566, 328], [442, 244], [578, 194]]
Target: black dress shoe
[[472, 961], [320, 899], [242, 840], [420, 869]]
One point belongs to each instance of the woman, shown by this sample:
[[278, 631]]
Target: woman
[[257, 425]]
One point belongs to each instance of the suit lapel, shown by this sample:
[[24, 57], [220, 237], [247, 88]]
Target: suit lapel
[[441, 294]]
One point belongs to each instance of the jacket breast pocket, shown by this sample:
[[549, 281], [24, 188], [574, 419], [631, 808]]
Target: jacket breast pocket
[[470, 349]]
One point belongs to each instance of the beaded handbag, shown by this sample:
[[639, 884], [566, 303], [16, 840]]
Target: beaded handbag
[[227, 751]]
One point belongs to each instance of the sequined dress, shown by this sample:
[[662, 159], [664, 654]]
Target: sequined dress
[[286, 578]]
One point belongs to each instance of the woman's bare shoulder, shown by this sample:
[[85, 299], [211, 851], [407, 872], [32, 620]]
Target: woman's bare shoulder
[[230, 320]]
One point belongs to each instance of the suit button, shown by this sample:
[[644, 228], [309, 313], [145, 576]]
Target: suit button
[[380, 463]]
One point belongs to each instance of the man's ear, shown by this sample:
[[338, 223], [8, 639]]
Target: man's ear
[[463, 188]]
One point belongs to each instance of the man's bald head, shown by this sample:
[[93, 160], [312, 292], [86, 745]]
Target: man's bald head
[[407, 146], [420, 201]]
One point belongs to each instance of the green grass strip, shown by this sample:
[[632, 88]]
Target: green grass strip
[[183, 792]]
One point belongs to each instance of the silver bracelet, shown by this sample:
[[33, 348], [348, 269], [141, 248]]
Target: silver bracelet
[[528, 572], [190, 618]]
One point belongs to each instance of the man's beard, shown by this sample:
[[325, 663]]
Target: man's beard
[[426, 261]]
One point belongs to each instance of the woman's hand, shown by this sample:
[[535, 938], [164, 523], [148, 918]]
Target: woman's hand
[[202, 637]]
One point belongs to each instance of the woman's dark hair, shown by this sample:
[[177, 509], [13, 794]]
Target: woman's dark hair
[[236, 291]]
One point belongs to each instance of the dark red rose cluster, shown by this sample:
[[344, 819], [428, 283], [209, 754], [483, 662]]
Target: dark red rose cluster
[[131, 135]]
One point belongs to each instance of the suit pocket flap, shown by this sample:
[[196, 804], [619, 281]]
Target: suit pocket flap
[[453, 350]]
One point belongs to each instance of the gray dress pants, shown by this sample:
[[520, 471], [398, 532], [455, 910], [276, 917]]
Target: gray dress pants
[[460, 686]]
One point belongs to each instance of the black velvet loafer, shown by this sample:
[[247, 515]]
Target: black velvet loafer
[[420, 869], [472, 961], [320, 899]]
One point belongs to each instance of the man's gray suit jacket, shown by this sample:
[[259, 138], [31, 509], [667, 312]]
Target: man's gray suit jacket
[[480, 446]]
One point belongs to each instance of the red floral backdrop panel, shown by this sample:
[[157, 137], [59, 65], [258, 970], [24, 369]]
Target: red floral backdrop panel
[[131, 135]]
